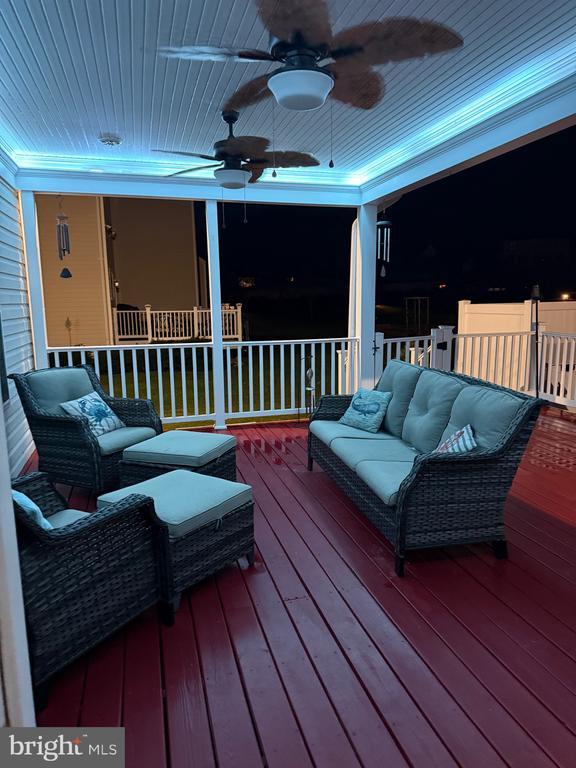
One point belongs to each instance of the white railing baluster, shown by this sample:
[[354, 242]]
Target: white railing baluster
[[261, 376], [230, 408], [322, 368], [195, 396], [135, 382], [332, 368], [172, 383], [207, 387], [110, 373], [282, 382], [159, 378], [271, 385], [292, 377], [240, 382], [184, 381], [147, 372], [122, 372], [250, 379]]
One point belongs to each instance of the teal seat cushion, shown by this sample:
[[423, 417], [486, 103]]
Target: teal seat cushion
[[353, 451], [67, 516], [186, 500], [187, 449], [430, 409], [330, 430], [111, 442], [399, 378], [488, 411], [384, 478], [58, 385], [366, 410]]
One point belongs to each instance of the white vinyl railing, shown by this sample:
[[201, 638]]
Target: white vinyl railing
[[557, 370], [150, 325], [260, 378]]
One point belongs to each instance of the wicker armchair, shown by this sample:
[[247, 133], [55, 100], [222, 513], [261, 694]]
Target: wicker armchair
[[84, 580], [67, 448]]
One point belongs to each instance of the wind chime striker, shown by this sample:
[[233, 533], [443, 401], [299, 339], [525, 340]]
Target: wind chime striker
[[63, 238]]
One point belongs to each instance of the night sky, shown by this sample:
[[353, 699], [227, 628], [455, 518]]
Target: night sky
[[488, 233]]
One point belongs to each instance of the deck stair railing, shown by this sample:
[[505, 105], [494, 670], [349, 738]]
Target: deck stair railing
[[155, 325]]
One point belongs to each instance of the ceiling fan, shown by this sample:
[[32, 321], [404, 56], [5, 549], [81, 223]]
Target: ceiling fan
[[317, 63], [242, 159]]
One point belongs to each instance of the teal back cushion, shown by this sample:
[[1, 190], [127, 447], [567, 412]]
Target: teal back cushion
[[488, 411], [400, 379], [57, 385], [430, 409]]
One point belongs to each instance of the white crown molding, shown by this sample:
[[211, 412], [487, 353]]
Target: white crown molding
[[543, 113], [8, 168], [123, 185]]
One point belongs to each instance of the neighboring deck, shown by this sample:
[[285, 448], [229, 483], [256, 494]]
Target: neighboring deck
[[319, 655]]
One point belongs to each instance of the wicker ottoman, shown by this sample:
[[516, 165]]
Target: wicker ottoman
[[203, 452], [209, 523]]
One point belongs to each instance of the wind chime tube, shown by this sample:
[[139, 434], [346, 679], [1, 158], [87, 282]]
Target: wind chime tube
[[63, 236]]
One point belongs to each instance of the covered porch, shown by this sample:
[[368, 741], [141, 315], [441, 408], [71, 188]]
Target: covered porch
[[317, 654]]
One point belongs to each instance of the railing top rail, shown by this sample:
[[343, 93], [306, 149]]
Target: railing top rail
[[404, 339], [558, 335], [127, 347], [288, 341]]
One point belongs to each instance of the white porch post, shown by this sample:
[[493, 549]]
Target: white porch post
[[34, 268], [366, 291], [216, 312], [14, 661]]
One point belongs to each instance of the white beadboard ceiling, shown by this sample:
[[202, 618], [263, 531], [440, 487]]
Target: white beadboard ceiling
[[72, 69]]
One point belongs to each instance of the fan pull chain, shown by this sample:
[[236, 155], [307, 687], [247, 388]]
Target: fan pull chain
[[274, 174], [331, 163]]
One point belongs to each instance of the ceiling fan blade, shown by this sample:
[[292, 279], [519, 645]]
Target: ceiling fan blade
[[186, 154], [285, 159], [213, 53], [196, 168], [362, 88], [250, 93], [247, 147], [307, 19], [256, 172], [394, 39]]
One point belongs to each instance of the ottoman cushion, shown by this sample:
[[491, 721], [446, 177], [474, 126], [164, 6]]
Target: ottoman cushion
[[186, 449], [186, 500]]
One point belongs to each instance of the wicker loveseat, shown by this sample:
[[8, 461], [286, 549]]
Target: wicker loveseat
[[415, 497], [67, 448], [87, 577]]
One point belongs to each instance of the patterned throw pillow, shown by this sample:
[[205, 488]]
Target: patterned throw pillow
[[100, 416], [461, 441], [367, 410], [31, 509]]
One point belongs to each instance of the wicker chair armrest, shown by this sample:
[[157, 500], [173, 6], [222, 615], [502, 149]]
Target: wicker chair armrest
[[77, 427], [37, 487], [135, 412], [331, 407], [94, 526]]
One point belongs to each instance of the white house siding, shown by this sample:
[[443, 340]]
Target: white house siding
[[15, 319]]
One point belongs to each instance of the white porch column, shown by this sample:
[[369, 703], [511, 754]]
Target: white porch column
[[366, 292], [34, 269], [216, 312], [14, 661]]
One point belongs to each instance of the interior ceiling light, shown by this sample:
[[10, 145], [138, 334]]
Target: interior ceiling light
[[110, 139], [301, 89], [232, 178]]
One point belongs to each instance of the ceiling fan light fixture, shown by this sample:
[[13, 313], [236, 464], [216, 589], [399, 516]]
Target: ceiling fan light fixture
[[301, 89], [231, 178]]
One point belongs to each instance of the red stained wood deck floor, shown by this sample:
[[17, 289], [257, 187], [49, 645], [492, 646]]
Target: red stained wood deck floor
[[319, 655]]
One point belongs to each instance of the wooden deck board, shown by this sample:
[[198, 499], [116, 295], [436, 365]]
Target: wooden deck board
[[318, 655]]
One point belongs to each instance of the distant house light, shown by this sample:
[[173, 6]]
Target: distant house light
[[442, 285], [496, 290], [247, 282], [565, 296]]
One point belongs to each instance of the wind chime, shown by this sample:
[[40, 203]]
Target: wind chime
[[63, 237], [383, 229]]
